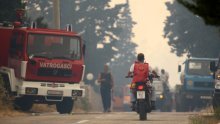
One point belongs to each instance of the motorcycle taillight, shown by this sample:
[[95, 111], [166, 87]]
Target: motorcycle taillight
[[141, 87]]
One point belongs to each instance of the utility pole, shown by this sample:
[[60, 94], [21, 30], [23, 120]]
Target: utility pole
[[127, 1], [56, 13]]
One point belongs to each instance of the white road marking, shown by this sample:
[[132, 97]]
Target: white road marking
[[82, 121]]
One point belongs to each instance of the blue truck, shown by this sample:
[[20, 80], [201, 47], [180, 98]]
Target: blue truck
[[197, 85], [215, 68]]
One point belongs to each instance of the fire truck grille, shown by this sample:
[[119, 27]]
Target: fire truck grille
[[204, 84], [54, 72]]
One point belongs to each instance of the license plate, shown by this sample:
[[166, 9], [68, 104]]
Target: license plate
[[140, 94], [55, 92], [205, 97]]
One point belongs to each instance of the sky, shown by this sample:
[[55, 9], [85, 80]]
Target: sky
[[150, 16]]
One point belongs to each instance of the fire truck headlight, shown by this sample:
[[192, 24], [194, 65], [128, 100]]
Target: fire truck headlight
[[76, 92], [31, 90], [218, 77], [217, 85]]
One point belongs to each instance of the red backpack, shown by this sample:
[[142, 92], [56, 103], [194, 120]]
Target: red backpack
[[141, 71]]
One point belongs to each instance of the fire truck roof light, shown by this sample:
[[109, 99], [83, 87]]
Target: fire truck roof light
[[33, 25], [69, 27]]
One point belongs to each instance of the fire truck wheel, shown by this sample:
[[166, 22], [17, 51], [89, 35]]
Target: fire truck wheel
[[65, 106], [23, 103]]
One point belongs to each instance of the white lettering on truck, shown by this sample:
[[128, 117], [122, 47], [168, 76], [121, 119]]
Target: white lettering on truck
[[56, 65]]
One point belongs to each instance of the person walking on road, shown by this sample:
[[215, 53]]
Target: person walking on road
[[106, 84]]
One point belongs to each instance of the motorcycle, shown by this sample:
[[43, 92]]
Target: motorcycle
[[142, 94]]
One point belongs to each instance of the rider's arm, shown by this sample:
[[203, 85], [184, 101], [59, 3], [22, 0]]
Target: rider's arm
[[132, 68], [130, 73]]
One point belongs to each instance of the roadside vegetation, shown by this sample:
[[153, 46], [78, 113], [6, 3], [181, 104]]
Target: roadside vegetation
[[200, 119], [6, 108], [4, 99], [208, 117]]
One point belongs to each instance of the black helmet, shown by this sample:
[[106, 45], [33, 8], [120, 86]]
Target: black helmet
[[140, 57]]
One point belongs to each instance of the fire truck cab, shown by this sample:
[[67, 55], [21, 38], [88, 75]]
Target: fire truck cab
[[41, 66]]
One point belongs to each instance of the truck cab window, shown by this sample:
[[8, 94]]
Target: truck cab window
[[75, 49]]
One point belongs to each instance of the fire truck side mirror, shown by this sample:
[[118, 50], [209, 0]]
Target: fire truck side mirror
[[213, 67], [179, 68], [84, 49]]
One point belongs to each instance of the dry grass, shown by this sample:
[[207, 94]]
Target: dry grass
[[199, 119], [6, 107], [11, 113], [82, 105], [206, 116]]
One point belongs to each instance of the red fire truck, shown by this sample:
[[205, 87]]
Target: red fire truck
[[41, 66]]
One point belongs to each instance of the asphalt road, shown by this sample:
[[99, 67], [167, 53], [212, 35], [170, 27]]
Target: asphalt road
[[99, 118]]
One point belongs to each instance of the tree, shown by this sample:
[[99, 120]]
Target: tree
[[126, 53], [40, 11], [209, 10], [7, 9], [187, 33], [101, 28]]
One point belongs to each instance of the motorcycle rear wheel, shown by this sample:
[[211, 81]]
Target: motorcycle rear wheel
[[142, 111]]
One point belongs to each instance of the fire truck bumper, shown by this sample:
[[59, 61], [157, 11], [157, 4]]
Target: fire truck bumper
[[50, 89]]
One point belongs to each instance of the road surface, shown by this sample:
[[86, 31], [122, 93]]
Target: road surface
[[99, 118]]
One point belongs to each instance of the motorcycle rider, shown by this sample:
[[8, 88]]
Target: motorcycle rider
[[140, 72], [164, 77]]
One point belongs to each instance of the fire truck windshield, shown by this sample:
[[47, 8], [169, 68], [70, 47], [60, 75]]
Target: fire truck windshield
[[53, 46]]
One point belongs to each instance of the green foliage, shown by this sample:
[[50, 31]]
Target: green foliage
[[126, 54], [41, 12], [5, 102], [40, 22], [7, 9], [187, 33], [209, 10]]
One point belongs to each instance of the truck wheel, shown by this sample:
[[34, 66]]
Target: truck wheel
[[23, 103], [177, 102], [215, 104], [184, 106], [65, 106], [181, 104]]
